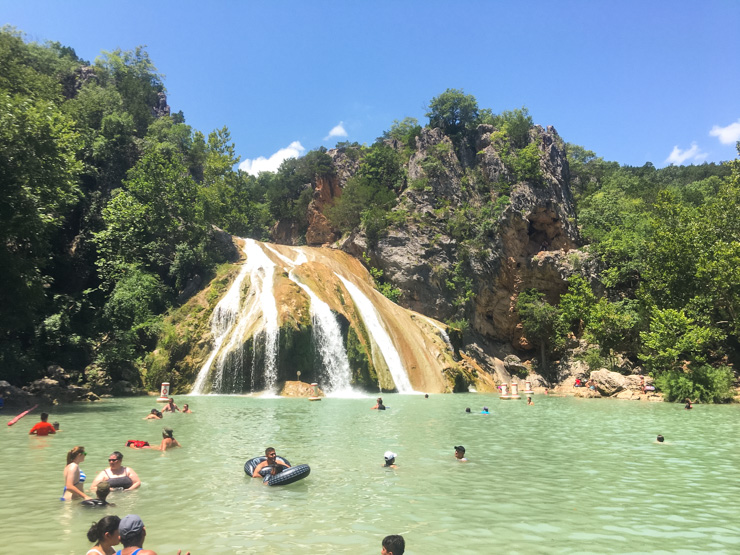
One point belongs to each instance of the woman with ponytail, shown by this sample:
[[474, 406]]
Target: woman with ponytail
[[74, 478], [105, 533]]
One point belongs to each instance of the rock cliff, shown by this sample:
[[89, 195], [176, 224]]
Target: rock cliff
[[526, 243]]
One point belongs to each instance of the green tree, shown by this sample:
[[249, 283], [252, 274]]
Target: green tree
[[542, 324], [453, 111]]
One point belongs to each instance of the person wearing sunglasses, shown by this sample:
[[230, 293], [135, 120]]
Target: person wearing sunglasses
[[74, 478], [117, 475], [276, 465]]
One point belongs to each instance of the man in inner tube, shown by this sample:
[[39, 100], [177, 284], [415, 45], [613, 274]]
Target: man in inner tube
[[272, 461]]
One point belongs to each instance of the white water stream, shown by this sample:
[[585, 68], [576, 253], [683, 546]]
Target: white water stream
[[229, 321], [380, 335]]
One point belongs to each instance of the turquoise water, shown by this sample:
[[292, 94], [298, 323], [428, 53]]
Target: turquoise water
[[563, 476]]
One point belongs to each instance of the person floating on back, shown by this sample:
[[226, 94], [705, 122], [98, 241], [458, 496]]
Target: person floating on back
[[42, 428], [393, 545]]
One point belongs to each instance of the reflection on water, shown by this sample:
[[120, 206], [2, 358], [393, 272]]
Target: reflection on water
[[562, 476]]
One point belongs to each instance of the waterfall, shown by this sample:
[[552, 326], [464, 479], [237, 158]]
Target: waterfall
[[229, 321], [222, 321], [380, 335], [442, 334], [328, 339]]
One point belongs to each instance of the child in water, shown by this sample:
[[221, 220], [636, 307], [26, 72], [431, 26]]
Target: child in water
[[390, 459]]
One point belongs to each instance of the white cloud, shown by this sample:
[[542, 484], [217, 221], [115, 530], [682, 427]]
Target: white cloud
[[679, 156], [271, 164], [337, 131], [727, 135]]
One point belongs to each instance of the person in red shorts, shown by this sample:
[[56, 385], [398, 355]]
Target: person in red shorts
[[43, 428]]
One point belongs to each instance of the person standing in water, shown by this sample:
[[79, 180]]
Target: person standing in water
[[74, 478], [393, 545], [460, 453], [171, 406], [105, 533], [43, 428], [117, 475], [379, 404]]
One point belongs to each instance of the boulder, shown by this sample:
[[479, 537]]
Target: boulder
[[299, 389], [609, 383], [14, 396]]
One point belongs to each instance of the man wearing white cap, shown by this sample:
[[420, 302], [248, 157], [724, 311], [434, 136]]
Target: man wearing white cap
[[390, 459]]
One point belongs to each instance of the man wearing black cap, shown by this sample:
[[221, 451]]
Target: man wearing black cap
[[460, 453]]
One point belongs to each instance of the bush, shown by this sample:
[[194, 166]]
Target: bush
[[704, 383]]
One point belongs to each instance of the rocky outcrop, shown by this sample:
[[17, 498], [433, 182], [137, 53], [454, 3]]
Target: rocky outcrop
[[320, 231], [300, 389], [531, 244], [161, 108], [54, 388]]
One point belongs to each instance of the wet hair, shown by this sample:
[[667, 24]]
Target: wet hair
[[459, 449], [106, 525], [154, 411], [269, 450], [467, 409], [45, 416], [394, 544], [118, 455], [56, 425], [72, 453], [661, 439], [167, 433]]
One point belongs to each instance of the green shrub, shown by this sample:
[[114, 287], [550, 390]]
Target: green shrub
[[704, 383]]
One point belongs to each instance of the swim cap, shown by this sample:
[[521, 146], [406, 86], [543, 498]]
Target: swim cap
[[389, 455]]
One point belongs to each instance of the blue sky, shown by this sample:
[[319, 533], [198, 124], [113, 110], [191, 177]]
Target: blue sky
[[634, 81]]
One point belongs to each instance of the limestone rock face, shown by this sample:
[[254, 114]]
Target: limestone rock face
[[320, 231], [533, 243]]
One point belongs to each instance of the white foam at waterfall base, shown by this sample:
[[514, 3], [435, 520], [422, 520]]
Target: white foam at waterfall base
[[384, 342], [328, 339]]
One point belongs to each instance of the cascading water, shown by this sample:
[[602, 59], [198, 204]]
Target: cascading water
[[222, 321], [328, 339], [229, 321], [380, 335]]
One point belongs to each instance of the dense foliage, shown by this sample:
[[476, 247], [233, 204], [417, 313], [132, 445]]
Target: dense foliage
[[111, 205]]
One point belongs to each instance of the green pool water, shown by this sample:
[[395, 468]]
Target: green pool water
[[563, 476]]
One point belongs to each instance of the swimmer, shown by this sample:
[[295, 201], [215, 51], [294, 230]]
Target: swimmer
[[529, 400], [485, 411], [101, 492], [660, 439], [171, 406], [272, 461], [105, 533], [688, 404], [133, 534], [467, 409], [390, 459], [460, 453], [119, 476], [379, 404], [426, 396], [547, 392], [186, 409], [43, 428], [393, 545], [153, 415], [168, 440], [74, 478]]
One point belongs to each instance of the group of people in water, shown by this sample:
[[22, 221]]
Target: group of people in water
[[110, 530]]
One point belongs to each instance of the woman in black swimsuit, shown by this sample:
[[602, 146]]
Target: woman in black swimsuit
[[117, 475]]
